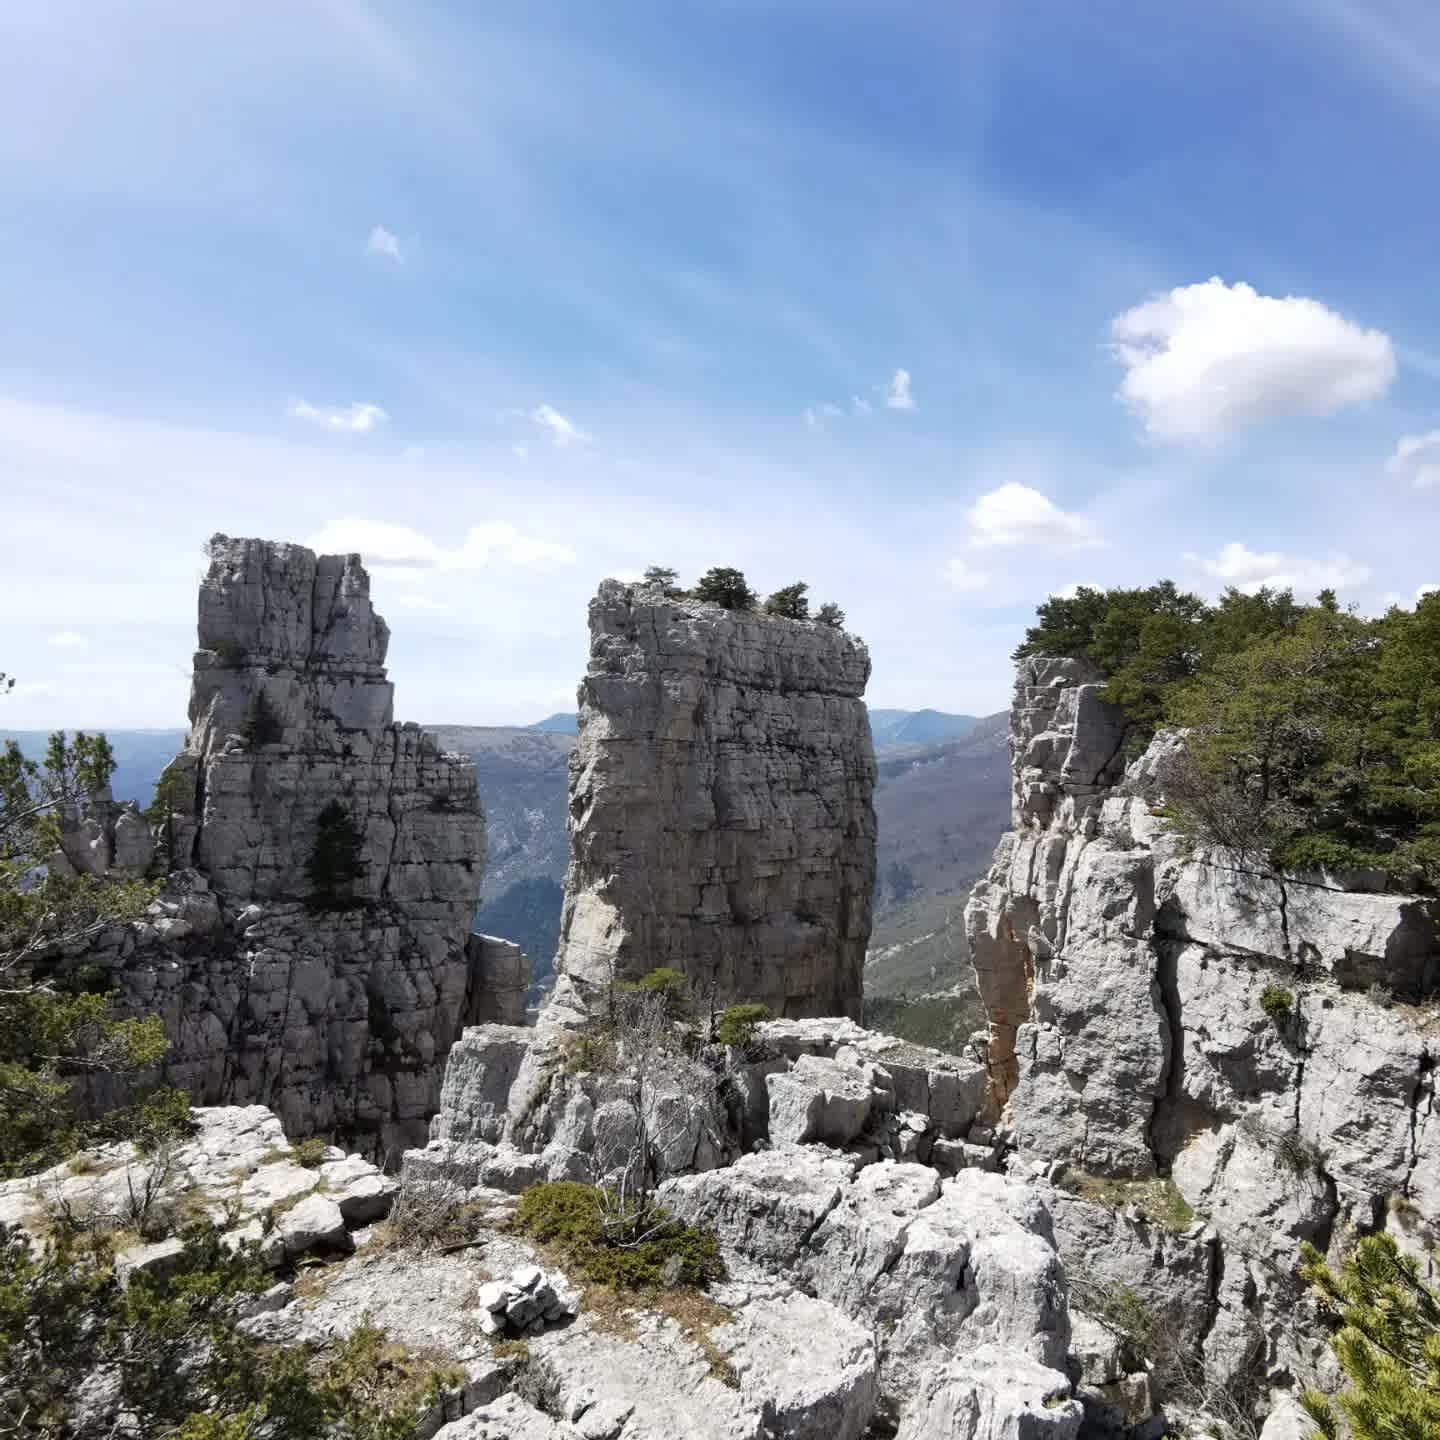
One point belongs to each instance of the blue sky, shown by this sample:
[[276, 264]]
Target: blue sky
[[912, 302]]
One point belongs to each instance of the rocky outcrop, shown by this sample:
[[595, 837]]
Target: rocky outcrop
[[1125, 973], [720, 805], [874, 1257], [309, 950], [238, 1172]]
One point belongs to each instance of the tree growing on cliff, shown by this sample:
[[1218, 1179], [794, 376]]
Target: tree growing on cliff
[[832, 615], [663, 578], [335, 862], [723, 585], [1386, 1337], [790, 602], [55, 1027]]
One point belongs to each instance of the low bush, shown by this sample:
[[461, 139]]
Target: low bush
[[309, 1153], [1278, 1003], [737, 1024], [430, 1212], [179, 1366], [570, 1216]]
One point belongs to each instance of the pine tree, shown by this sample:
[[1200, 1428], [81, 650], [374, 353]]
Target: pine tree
[[724, 585], [1387, 1341], [790, 602]]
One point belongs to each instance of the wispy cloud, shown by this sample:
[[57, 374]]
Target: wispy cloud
[[385, 242], [67, 640], [563, 431], [401, 549], [1417, 458], [1247, 570], [357, 418], [897, 392], [1204, 360]]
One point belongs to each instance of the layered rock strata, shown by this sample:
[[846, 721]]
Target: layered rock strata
[[720, 805], [1125, 973], [309, 950]]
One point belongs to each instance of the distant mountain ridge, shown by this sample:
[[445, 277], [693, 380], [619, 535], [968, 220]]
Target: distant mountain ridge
[[941, 805], [917, 727]]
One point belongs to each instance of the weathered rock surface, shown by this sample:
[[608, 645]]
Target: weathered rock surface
[[720, 805], [937, 1267], [238, 1171], [333, 1003], [1123, 975], [516, 1108]]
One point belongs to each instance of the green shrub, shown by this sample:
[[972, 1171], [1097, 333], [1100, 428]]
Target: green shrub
[[790, 602], [832, 615], [572, 1217], [334, 863], [261, 725], [1278, 1003], [1386, 1335], [310, 1153], [670, 985], [722, 585], [182, 1366], [738, 1022]]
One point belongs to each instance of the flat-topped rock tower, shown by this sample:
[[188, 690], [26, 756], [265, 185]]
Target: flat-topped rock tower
[[721, 816], [311, 949]]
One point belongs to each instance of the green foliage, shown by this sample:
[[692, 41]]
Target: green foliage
[[738, 1022], [1314, 733], [309, 1153], [591, 1050], [722, 585], [1387, 1340], [832, 615], [173, 791], [661, 577], [572, 1217], [790, 602], [669, 985], [47, 1039], [261, 725], [182, 1366], [1278, 1003], [334, 863]]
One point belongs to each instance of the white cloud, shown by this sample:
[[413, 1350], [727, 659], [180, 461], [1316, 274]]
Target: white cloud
[[385, 242], [412, 601], [860, 405], [1417, 457], [963, 576], [67, 640], [1204, 360], [1015, 514], [897, 393], [563, 431], [1069, 592], [399, 549], [1248, 570], [357, 418]]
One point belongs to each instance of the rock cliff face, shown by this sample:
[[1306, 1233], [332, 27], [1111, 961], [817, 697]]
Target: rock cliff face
[[1124, 976], [720, 805], [311, 948]]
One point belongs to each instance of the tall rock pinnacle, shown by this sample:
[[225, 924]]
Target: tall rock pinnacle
[[312, 947], [720, 805]]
